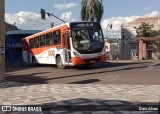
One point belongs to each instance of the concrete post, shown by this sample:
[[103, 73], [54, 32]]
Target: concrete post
[[140, 51], [144, 50], [2, 40]]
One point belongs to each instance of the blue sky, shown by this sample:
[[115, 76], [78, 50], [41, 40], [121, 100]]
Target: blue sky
[[112, 8], [115, 11]]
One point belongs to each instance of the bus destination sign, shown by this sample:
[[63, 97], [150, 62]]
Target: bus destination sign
[[84, 25]]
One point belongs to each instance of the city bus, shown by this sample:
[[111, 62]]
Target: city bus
[[69, 44]]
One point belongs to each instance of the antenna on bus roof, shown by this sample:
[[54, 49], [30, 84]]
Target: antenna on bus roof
[[43, 12]]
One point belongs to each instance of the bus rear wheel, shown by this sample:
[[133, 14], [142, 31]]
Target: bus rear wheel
[[34, 61], [59, 63]]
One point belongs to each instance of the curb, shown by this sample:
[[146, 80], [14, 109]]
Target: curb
[[133, 61]]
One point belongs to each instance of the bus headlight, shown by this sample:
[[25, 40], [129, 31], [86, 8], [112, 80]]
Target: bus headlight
[[76, 54]]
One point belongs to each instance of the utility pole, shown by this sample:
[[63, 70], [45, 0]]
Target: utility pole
[[2, 40]]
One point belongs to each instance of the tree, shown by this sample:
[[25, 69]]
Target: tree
[[91, 10], [146, 30]]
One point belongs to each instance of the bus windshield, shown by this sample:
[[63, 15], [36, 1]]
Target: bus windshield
[[87, 40]]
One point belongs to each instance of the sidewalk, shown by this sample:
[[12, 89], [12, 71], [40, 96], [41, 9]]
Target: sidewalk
[[132, 61], [71, 98]]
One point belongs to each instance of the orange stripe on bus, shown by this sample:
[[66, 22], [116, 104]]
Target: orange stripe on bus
[[77, 61], [40, 50]]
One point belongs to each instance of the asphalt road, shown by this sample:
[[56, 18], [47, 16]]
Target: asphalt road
[[102, 73]]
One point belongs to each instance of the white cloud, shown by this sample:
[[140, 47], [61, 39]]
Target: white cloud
[[117, 21], [153, 14], [25, 20], [33, 21], [67, 16], [65, 6]]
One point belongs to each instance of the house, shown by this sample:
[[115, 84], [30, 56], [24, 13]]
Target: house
[[13, 42], [129, 43], [112, 48]]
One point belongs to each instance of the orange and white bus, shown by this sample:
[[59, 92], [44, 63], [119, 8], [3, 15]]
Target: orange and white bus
[[70, 44]]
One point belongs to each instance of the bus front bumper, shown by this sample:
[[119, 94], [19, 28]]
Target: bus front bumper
[[81, 61]]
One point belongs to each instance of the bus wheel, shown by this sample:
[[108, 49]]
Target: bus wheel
[[59, 63], [34, 61]]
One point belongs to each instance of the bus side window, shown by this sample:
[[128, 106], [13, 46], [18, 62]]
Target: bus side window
[[49, 39], [57, 37], [42, 40], [31, 43], [36, 42]]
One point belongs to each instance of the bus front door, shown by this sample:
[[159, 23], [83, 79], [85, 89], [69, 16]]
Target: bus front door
[[67, 48]]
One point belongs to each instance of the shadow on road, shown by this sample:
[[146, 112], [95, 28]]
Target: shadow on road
[[99, 106], [10, 67], [33, 78], [105, 65], [85, 81], [110, 106]]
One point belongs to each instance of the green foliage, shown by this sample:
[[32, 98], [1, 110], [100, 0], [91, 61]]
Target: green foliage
[[91, 10], [146, 30]]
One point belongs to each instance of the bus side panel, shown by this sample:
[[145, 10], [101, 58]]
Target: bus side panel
[[48, 56], [45, 56]]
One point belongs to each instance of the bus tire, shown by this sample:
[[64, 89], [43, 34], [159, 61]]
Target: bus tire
[[34, 61], [59, 63]]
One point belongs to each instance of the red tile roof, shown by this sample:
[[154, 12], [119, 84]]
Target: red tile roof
[[150, 20]]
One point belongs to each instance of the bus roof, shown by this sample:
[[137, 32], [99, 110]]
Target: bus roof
[[47, 30], [68, 24]]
